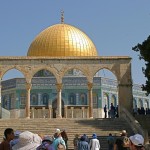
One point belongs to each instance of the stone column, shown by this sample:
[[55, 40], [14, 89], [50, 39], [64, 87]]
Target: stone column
[[28, 88], [90, 86], [66, 114], [43, 112], [59, 105], [72, 111], [125, 97], [50, 111], [32, 114], [83, 112]]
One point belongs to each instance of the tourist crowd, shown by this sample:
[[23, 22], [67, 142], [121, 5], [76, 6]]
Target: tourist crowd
[[27, 140]]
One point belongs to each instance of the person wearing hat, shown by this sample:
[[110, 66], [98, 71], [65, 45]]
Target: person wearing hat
[[46, 144], [27, 140], [136, 142], [122, 143], [58, 141], [94, 143]]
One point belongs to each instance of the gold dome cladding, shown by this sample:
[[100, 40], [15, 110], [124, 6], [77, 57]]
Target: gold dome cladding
[[62, 40]]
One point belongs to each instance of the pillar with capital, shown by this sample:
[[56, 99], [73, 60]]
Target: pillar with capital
[[49, 111], [83, 112], [59, 105], [32, 114], [72, 111], [90, 86], [66, 109], [28, 88]]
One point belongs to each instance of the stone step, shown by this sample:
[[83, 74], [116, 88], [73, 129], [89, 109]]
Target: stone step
[[102, 127]]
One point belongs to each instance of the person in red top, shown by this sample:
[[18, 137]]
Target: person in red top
[[9, 135]]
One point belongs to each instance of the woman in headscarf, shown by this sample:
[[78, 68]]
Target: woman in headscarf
[[94, 143]]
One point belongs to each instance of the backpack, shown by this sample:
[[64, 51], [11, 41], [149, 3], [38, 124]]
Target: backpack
[[60, 146], [126, 142]]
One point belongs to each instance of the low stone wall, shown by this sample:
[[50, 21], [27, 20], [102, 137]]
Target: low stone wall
[[144, 120]]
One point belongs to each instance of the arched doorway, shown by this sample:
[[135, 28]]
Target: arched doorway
[[54, 107]]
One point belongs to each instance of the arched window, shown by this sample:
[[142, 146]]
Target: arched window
[[34, 99], [83, 100], [72, 99], [6, 102], [45, 98], [95, 101]]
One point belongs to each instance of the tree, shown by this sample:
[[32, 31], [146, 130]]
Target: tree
[[144, 50]]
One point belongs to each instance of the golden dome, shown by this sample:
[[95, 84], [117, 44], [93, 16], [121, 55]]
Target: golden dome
[[62, 40]]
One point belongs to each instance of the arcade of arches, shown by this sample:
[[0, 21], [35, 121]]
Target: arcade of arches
[[28, 66]]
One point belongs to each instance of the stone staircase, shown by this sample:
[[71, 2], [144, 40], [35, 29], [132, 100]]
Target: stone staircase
[[102, 127]]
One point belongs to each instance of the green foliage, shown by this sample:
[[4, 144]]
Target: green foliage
[[144, 53]]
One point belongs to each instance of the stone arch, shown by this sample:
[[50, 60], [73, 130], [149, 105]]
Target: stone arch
[[121, 66], [109, 68], [35, 70], [66, 69], [7, 69]]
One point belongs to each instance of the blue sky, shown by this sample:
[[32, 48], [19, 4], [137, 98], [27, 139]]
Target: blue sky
[[114, 26]]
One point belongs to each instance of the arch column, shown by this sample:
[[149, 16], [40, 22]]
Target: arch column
[[90, 86], [125, 97], [28, 88], [49, 111], [59, 105], [72, 112], [83, 109], [32, 114], [66, 109]]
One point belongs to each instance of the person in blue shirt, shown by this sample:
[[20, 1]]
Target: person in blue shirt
[[83, 145], [58, 140]]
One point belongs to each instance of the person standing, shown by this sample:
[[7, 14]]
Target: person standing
[[83, 145], [105, 111], [9, 135], [94, 143], [122, 143], [76, 141], [65, 137], [58, 140], [136, 142], [110, 141]]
